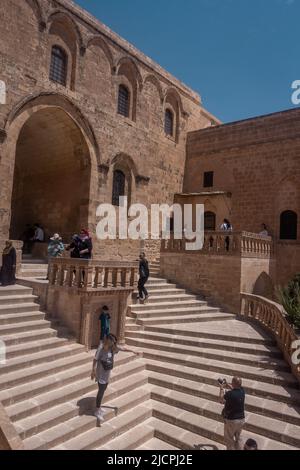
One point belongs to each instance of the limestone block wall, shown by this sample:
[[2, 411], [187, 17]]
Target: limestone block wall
[[218, 278]]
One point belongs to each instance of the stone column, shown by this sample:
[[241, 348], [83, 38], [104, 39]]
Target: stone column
[[85, 334]]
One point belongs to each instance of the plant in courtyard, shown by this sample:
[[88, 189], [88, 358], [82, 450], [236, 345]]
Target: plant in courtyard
[[289, 297]]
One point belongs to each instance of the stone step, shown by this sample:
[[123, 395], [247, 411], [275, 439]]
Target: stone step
[[33, 274], [237, 346], [262, 361], [207, 427], [168, 302], [263, 390], [17, 299], [14, 290], [172, 311], [132, 439], [30, 360], [186, 318], [29, 336], [156, 444], [82, 433], [254, 404], [17, 328], [164, 289], [258, 424], [14, 318], [36, 346], [222, 367], [175, 331], [132, 411], [170, 435], [157, 280], [18, 308], [53, 416], [14, 379], [66, 393]]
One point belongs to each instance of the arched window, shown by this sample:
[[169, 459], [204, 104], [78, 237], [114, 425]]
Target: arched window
[[169, 122], [210, 221], [119, 184], [59, 65], [124, 101], [288, 225]]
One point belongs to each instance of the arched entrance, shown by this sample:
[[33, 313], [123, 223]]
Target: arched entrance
[[52, 175]]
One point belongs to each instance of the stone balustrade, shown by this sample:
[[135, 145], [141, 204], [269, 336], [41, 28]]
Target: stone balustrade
[[272, 317], [226, 243], [92, 274]]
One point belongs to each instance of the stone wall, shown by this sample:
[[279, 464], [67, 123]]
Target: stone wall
[[219, 278], [256, 161], [71, 137]]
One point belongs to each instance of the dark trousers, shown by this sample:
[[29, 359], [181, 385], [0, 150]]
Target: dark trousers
[[101, 391], [141, 287]]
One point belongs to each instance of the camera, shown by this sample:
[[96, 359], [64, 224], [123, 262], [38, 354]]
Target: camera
[[222, 382]]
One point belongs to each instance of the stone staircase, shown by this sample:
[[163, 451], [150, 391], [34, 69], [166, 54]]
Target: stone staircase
[[166, 400]]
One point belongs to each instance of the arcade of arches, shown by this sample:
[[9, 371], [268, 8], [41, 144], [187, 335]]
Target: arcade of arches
[[52, 175]]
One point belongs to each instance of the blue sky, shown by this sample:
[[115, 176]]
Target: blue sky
[[240, 55]]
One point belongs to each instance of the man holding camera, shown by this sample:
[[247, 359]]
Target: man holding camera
[[233, 412]]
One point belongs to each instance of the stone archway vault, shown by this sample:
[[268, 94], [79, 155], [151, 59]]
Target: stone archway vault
[[52, 176]]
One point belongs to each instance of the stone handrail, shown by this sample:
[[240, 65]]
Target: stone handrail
[[272, 317], [92, 274], [244, 244]]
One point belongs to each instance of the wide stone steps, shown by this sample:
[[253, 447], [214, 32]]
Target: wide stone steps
[[19, 339], [29, 360], [169, 310], [156, 444], [6, 310], [132, 439], [125, 381], [206, 333], [13, 318], [133, 409], [17, 328], [67, 393], [58, 380], [263, 390], [208, 427], [16, 299], [259, 349], [169, 435], [185, 317], [36, 346], [263, 361], [258, 424], [15, 290], [168, 301], [222, 367], [254, 404]]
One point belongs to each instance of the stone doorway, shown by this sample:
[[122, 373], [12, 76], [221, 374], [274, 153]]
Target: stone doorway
[[52, 175]]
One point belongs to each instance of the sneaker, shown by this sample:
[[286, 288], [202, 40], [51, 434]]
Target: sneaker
[[99, 415]]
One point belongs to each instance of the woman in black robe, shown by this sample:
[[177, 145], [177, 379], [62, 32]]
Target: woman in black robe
[[8, 270]]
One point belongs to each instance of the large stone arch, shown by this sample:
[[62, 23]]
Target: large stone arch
[[128, 67], [51, 145], [66, 18]]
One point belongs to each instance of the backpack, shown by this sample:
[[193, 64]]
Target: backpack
[[108, 363]]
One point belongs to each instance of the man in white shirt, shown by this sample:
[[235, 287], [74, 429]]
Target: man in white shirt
[[39, 235]]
